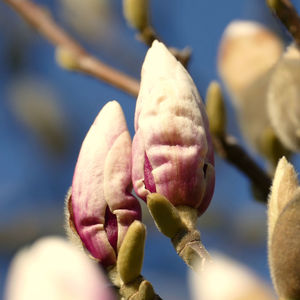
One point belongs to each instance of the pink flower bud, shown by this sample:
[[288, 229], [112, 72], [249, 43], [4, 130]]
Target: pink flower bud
[[172, 148], [102, 205]]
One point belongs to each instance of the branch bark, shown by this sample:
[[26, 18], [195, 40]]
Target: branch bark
[[228, 148], [42, 21]]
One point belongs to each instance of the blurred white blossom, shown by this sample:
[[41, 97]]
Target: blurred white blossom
[[35, 104], [54, 269], [248, 51], [284, 99], [227, 279], [89, 18]]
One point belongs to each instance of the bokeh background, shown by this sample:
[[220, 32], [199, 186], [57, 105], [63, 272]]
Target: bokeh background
[[46, 111]]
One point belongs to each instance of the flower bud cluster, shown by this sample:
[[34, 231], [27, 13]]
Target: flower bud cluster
[[171, 155]]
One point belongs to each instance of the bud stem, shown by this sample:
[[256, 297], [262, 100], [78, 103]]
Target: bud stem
[[190, 248], [148, 36]]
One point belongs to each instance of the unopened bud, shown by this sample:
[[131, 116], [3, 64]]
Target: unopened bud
[[215, 109], [285, 183], [66, 58], [131, 253], [165, 215], [284, 253], [102, 207], [247, 54], [146, 291], [273, 4], [172, 151], [136, 13]]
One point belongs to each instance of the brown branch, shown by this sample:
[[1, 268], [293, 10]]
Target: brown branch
[[43, 22], [287, 14], [228, 148]]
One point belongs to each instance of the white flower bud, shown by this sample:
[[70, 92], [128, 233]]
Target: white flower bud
[[247, 54]]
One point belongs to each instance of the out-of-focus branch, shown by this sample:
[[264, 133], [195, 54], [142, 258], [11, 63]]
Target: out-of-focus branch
[[287, 14], [228, 148], [83, 62]]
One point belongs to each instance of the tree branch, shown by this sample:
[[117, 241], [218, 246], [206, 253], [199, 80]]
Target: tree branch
[[287, 14], [43, 22], [228, 148]]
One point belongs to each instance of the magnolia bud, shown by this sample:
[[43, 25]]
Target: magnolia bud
[[284, 97], [247, 51], [284, 185], [283, 231], [102, 207], [284, 252], [247, 54], [172, 148]]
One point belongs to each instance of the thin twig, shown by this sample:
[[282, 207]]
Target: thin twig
[[43, 22], [228, 148], [287, 14]]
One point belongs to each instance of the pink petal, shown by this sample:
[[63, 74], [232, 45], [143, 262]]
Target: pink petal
[[100, 183]]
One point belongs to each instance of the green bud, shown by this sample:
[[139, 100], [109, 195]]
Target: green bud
[[284, 253], [146, 291], [136, 13], [165, 215], [273, 4], [131, 253], [215, 109], [66, 58]]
